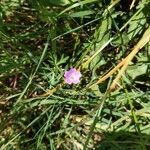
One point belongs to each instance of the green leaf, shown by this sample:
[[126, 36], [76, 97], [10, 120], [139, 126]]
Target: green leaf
[[101, 37], [136, 25], [41, 3], [82, 13], [59, 2], [120, 40], [137, 70], [96, 91]]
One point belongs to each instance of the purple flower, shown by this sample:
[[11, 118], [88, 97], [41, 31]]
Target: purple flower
[[72, 76]]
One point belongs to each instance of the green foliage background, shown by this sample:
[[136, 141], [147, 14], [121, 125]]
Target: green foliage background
[[39, 40]]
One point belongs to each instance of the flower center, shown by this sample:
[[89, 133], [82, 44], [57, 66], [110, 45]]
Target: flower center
[[72, 77]]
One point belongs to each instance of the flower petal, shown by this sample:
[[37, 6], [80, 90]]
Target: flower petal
[[72, 76]]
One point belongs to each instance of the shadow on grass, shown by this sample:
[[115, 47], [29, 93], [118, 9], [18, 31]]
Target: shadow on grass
[[124, 141]]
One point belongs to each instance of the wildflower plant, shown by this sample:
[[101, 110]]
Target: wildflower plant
[[108, 40]]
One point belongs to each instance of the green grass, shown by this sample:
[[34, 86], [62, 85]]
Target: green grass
[[40, 40]]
